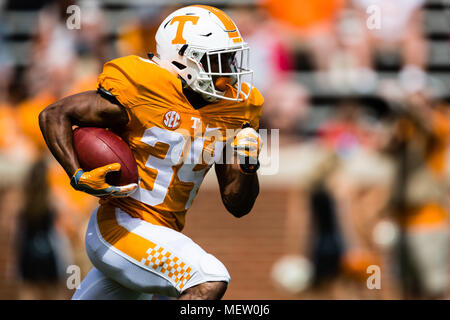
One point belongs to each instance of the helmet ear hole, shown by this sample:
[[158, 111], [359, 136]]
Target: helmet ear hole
[[178, 65]]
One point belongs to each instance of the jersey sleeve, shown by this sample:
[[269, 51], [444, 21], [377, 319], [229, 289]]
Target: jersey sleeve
[[135, 81], [254, 112], [116, 80]]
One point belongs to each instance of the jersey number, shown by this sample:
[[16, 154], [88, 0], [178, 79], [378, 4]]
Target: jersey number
[[164, 166]]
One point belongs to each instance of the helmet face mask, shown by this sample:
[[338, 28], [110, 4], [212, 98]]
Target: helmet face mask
[[220, 68], [210, 66]]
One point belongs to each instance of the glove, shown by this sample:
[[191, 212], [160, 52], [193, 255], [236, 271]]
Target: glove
[[93, 182], [247, 145]]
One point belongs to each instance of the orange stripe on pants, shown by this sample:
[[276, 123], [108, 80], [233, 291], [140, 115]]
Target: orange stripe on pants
[[120, 238], [140, 249]]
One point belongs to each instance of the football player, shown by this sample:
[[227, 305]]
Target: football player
[[177, 105]]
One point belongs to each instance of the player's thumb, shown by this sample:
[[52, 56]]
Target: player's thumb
[[109, 168]]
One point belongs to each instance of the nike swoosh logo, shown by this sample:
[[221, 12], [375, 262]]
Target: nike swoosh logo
[[206, 35], [208, 129]]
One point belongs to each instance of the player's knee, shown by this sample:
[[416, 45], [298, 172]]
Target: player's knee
[[213, 290]]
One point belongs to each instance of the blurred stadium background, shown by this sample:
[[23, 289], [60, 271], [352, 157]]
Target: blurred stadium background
[[364, 117]]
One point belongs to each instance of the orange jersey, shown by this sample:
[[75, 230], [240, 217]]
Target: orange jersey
[[173, 143]]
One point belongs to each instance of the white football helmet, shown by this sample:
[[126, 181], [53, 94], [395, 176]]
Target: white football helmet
[[205, 48]]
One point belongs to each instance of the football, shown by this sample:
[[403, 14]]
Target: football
[[97, 147]]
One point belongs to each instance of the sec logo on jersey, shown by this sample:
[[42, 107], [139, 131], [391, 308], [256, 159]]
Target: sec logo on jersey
[[172, 120]]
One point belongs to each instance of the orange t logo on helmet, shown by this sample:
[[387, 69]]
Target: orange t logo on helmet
[[230, 27], [181, 21]]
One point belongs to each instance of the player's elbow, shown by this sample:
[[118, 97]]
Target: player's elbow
[[50, 115], [239, 206], [44, 118], [238, 212]]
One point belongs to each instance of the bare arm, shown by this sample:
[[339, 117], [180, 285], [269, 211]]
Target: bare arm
[[84, 109], [238, 190]]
